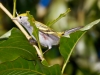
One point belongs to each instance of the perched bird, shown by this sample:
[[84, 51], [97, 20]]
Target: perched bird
[[47, 36]]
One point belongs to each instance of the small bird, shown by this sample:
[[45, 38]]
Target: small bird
[[47, 36]]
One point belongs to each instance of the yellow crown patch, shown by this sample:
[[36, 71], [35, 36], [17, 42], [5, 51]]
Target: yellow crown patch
[[24, 14]]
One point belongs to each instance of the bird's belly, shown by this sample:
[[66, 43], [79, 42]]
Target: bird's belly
[[47, 40]]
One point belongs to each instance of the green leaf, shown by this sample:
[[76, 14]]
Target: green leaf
[[51, 70], [36, 30], [60, 16], [36, 34], [15, 46], [44, 62], [67, 44], [32, 23], [25, 67]]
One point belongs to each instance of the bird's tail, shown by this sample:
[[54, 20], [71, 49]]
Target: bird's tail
[[67, 32]]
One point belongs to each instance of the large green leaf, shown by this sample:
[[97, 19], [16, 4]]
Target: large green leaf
[[24, 67], [67, 44], [14, 46]]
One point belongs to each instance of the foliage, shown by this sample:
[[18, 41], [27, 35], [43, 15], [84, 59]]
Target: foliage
[[24, 67], [18, 56], [16, 45]]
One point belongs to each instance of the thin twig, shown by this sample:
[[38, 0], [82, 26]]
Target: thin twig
[[22, 29], [14, 8]]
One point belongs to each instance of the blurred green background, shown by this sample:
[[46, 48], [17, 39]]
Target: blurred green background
[[85, 59]]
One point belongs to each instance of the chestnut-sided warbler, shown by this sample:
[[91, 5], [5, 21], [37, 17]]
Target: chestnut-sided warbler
[[47, 36]]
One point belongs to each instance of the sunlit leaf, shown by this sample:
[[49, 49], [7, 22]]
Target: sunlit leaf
[[90, 25], [6, 35]]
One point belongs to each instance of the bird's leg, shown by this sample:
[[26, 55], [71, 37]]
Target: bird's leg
[[46, 51]]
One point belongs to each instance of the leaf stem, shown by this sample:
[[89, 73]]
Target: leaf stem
[[40, 49], [59, 17], [14, 8], [39, 52], [22, 29]]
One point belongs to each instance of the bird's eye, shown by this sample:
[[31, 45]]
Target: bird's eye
[[20, 17]]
